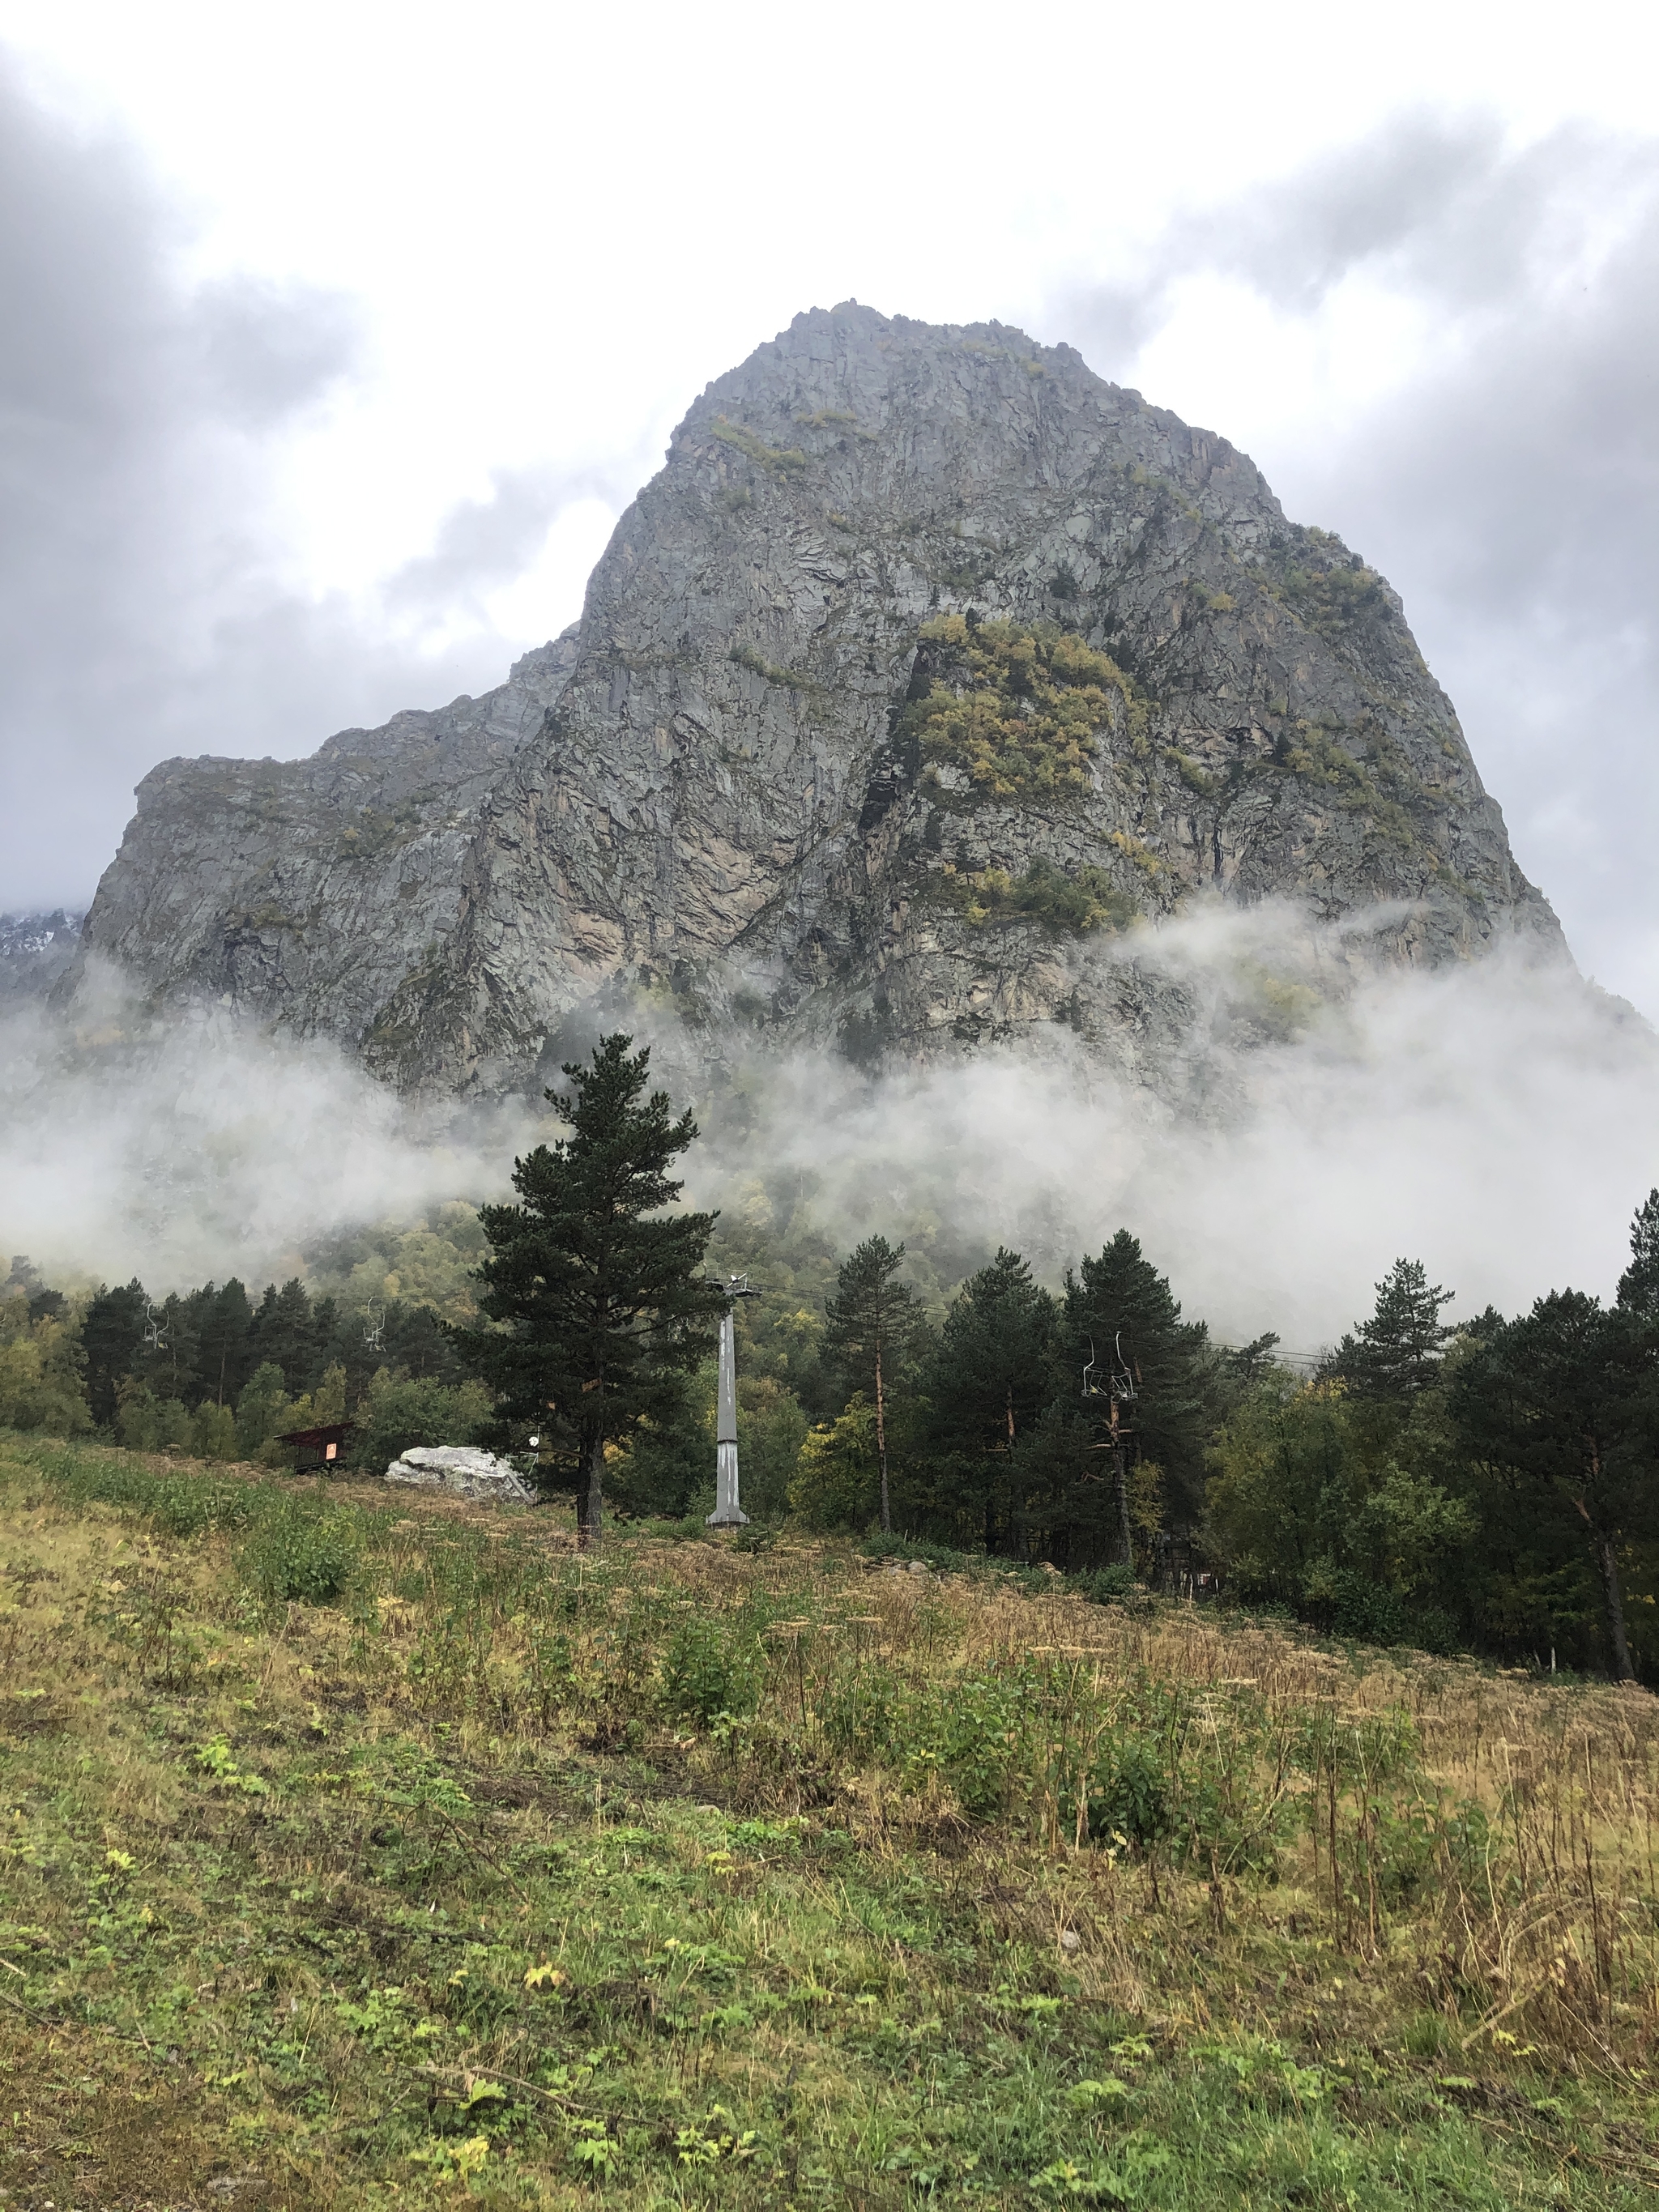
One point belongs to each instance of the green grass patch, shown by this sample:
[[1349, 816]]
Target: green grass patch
[[354, 1854]]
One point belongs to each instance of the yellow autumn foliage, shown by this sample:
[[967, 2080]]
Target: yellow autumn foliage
[[1024, 716]]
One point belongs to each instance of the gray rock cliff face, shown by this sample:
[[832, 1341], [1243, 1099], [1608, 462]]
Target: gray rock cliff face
[[927, 664]]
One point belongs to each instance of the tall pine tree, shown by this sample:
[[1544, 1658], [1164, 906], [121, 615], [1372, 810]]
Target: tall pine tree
[[1118, 1307], [283, 1333], [113, 1338], [598, 1311], [873, 1320], [986, 1385], [226, 1330], [1396, 1353], [1639, 1286], [1561, 1401]]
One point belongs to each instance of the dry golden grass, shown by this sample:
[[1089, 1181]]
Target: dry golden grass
[[1556, 1927]]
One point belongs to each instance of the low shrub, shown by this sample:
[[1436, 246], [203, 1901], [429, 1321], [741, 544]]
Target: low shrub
[[1128, 1796], [188, 1505], [710, 1668], [1108, 1585], [886, 1545], [974, 1737], [304, 1555], [944, 1560]]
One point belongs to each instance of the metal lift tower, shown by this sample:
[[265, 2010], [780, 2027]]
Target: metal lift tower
[[727, 1513], [1119, 1394]]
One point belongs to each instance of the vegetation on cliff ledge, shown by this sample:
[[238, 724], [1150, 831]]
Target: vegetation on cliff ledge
[[776, 460], [1331, 589], [1019, 709], [1061, 902]]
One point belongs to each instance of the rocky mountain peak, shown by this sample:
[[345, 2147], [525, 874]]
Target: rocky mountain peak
[[36, 950], [928, 667]]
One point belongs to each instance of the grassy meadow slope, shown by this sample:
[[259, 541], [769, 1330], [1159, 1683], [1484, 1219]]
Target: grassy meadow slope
[[358, 1853]]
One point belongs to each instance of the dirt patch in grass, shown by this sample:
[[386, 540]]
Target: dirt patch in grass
[[135, 2143], [32, 1712]]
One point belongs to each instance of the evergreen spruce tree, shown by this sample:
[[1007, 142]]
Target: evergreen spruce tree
[[1397, 1353], [985, 1386], [327, 1330], [416, 1340], [873, 1321], [197, 1307], [169, 1367], [224, 1332], [1119, 1305], [1562, 1402], [597, 1310], [1639, 1286], [113, 1338], [284, 1335]]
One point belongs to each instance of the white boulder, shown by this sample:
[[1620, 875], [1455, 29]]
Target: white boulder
[[464, 1471]]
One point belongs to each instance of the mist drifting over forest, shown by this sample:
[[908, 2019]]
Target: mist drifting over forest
[[1495, 1121]]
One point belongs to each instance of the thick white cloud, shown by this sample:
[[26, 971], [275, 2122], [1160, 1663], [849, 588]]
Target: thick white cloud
[[193, 1150]]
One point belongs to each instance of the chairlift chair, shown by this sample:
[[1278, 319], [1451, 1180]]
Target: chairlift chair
[[1122, 1386]]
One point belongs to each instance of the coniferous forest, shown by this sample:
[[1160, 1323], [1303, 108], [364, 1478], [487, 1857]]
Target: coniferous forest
[[1487, 1486]]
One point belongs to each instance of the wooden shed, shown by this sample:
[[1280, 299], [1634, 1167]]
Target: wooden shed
[[316, 1448]]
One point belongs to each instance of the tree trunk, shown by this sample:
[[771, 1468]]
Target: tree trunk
[[1121, 1472], [589, 1494], [1125, 1532], [1606, 1561], [1612, 1597], [881, 1449]]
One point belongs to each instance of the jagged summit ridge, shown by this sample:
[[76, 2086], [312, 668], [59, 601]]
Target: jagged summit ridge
[[35, 950], [927, 662]]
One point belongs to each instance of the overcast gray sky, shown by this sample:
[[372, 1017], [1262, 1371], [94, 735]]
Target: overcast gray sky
[[335, 337]]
